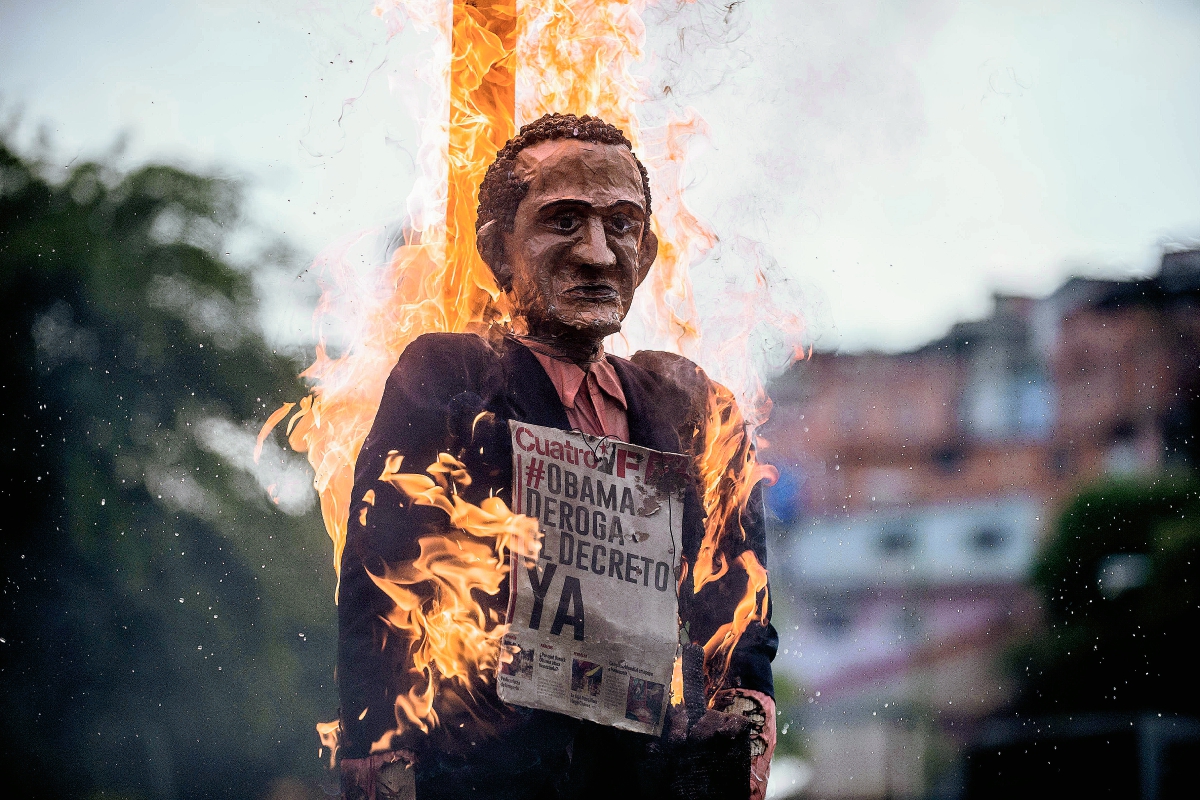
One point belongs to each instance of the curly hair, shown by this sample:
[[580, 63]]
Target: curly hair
[[501, 191]]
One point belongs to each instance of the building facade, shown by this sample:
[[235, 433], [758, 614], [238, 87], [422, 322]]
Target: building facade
[[916, 487]]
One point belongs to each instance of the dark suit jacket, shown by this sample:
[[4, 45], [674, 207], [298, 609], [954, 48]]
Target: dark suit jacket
[[420, 415]]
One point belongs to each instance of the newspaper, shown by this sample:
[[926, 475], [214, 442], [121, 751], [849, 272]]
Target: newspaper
[[594, 626]]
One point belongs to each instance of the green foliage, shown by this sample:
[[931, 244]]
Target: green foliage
[[167, 632], [1120, 646], [789, 701]]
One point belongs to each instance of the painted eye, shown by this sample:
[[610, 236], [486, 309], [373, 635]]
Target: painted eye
[[620, 223], [565, 223]]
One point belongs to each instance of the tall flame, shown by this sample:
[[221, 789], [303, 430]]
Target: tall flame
[[499, 66]]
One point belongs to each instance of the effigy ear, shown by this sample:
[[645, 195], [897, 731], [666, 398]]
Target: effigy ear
[[489, 241], [646, 255]]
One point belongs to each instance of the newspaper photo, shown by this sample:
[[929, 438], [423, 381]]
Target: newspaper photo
[[594, 625]]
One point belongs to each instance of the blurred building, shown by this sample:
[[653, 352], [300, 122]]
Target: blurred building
[[914, 490]]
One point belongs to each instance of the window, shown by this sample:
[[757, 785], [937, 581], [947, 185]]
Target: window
[[897, 538], [987, 540], [833, 621]]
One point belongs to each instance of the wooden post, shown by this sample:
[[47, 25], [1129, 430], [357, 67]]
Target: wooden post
[[482, 110]]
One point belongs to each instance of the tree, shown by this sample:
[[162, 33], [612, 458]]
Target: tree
[[1120, 581], [167, 630]]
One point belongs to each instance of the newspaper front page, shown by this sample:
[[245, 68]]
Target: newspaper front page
[[594, 619]]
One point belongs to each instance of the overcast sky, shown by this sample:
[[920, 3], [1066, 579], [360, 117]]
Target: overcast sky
[[901, 161]]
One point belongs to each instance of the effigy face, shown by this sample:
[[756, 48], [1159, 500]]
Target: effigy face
[[577, 250]]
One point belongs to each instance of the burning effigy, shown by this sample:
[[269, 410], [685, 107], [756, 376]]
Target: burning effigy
[[551, 559]]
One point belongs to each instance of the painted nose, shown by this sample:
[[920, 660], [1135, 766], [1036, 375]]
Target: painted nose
[[592, 248]]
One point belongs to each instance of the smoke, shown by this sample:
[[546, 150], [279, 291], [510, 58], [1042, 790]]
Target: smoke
[[694, 47], [702, 57], [286, 477], [807, 103], [178, 489]]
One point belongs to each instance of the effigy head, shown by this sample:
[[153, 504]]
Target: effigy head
[[564, 225]]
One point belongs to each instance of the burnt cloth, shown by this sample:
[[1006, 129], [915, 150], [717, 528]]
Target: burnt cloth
[[484, 748]]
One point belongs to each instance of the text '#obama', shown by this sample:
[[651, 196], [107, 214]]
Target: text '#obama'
[[580, 510]]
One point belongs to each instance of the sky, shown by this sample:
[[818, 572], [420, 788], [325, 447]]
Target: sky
[[900, 162]]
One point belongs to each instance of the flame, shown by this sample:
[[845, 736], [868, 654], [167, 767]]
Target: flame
[[328, 731], [453, 638], [273, 420], [718, 650], [491, 68], [729, 471]]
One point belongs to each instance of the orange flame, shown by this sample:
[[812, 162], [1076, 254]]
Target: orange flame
[[498, 67], [729, 471], [328, 731], [718, 650], [273, 420], [453, 637]]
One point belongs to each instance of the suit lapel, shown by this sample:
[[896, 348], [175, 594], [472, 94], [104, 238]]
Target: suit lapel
[[646, 426]]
